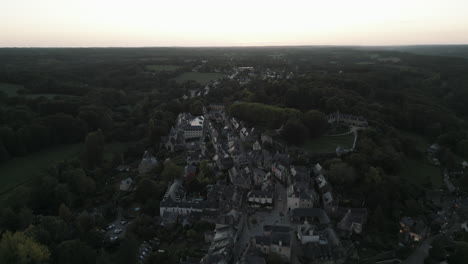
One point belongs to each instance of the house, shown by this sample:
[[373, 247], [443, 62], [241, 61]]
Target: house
[[259, 198], [338, 118], [280, 171], [300, 198], [307, 233], [321, 246], [147, 164], [353, 221], [259, 176], [256, 146], [191, 131], [216, 107], [327, 199], [413, 230], [126, 184], [190, 172], [224, 196], [311, 215], [321, 182], [464, 164], [221, 249], [279, 243], [242, 161], [266, 139], [174, 201], [317, 169]]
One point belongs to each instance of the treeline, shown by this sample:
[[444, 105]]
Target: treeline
[[295, 125]]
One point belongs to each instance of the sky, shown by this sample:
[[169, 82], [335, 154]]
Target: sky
[[144, 23]]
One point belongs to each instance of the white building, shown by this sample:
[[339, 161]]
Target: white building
[[300, 198], [195, 128], [260, 199]]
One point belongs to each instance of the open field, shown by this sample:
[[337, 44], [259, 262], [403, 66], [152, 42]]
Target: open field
[[328, 144], [19, 170], [418, 172], [159, 68], [201, 77], [12, 90]]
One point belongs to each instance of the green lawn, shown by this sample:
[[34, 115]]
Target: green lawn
[[328, 144], [159, 68], [10, 89], [19, 170], [418, 172], [201, 77]]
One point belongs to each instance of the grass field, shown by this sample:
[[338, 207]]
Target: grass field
[[10, 89], [418, 172], [19, 170], [159, 68], [201, 77], [328, 144]]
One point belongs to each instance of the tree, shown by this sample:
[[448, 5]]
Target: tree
[[294, 132], [17, 248], [341, 173], [85, 222], [65, 213], [462, 147], [49, 230], [373, 175], [461, 253], [171, 172], [74, 252], [438, 251], [4, 155], [8, 137], [196, 108], [316, 122], [378, 218], [94, 148], [146, 189]]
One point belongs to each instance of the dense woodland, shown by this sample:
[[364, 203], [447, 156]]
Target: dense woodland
[[102, 96]]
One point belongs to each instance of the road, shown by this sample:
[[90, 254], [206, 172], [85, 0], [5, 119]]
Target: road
[[110, 233], [420, 254]]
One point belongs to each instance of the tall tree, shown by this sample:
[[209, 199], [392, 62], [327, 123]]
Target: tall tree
[[74, 252], [316, 122], [94, 148], [4, 155], [18, 248], [294, 131]]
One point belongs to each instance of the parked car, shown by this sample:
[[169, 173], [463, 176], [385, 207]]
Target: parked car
[[123, 222], [110, 227], [118, 231]]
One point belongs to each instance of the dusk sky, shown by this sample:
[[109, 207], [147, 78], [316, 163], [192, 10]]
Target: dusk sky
[[105, 23]]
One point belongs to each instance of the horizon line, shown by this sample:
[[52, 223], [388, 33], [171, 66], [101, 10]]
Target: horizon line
[[225, 46]]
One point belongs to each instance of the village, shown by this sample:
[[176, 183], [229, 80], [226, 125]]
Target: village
[[264, 208]]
